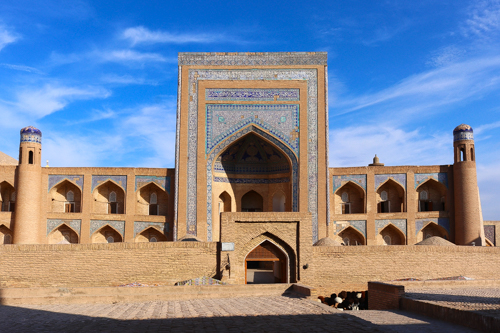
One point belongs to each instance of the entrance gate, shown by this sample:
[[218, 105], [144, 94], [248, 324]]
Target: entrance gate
[[266, 264]]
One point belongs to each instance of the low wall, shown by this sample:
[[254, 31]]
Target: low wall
[[382, 296], [337, 268], [89, 265]]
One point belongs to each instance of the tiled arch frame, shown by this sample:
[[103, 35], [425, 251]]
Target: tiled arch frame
[[231, 139], [309, 75]]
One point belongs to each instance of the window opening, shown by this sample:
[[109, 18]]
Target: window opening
[[462, 154], [113, 205], [345, 197], [346, 241], [153, 239], [387, 240], [153, 204], [346, 208], [30, 157], [7, 239]]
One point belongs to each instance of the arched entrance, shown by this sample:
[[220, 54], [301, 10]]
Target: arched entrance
[[266, 264]]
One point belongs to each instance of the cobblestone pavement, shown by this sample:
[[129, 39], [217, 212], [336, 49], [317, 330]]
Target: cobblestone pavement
[[248, 314], [482, 300]]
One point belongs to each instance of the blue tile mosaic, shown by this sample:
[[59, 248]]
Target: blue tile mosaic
[[31, 134], [98, 224], [339, 181], [194, 75], [177, 148], [489, 232], [237, 116], [399, 223], [251, 180], [441, 221], [229, 141], [163, 182], [242, 94], [359, 225], [400, 178], [141, 226], [441, 177], [252, 58], [53, 224], [120, 180], [56, 179]]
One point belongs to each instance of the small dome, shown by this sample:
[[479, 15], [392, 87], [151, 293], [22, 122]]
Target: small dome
[[327, 242], [31, 130], [31, 134], [463, 132], [462, 128]]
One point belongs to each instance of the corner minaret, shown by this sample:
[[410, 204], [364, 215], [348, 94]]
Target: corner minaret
[[468, 219], [29, 173]]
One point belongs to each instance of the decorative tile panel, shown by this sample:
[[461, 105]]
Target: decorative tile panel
[[251, 180], [98, 224], [53, 224], [441, 221], [399, 178], [163, 182], [228, 94], [194, 75], [223, 120], [339, 181], [141, 226], [359, 225], [252, 58], [441, 177], [31, 134], [489, 232], [56, 179], [120, 180], [400, 224], [228, 142]]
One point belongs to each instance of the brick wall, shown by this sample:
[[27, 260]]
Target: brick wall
[[88, 265], [384, 296], [351, 267]]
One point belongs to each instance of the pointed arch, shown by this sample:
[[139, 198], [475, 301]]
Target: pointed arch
[[266, 263], [106, 234], [435, 200], [102, 203], [150, 234], [5, 235], [393, 234], [355, 203], [60, 197], [432, 229], [351, 236], [144, 194], [252, 201], [63, 234], [279, 201], [7, 197], [395, 201]]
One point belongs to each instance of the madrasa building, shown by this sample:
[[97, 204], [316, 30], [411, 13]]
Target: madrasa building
[[251, 174]]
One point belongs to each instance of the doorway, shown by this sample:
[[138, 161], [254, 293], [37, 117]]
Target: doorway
[[266, 264]]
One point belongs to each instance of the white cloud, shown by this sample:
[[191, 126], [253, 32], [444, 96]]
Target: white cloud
[[22, 68], [484, 19], [446, 56], [127, 79], [6, 37], [141, 34], [130, 55], [488, 178]]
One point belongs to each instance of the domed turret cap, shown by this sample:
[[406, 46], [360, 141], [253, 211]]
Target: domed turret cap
[[463, 132], [31, 134]]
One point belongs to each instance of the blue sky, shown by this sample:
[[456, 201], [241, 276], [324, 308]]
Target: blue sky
[[99, 78]]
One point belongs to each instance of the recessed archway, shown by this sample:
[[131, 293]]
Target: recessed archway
[[106, 234], [431, 196], [5, 235], [7, 197], [430, 230], [265, 264], [252, 202], [65, 197], [63, 235], [279, 201], [152, 200], [351, 237], [151, 235], [390, 197], [391, 235], [350, 199], [109, 198]]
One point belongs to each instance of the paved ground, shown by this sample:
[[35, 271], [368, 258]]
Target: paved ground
[[248, 314], [482, 300]]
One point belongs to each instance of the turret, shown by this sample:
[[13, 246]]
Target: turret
[[28, 199], [468, 219]]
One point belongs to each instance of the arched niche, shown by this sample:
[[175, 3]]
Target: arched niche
[[63, 235], [349, 199], [279, 201], [107, 234], [252, 202], [109, 198], [254, 163], [266, 263], [391, 235], [152, 200], [431, 196], [430, 230], [5, 235], [390, 197], [7, 197], [351, 237], [65, 197], [150, 235]]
